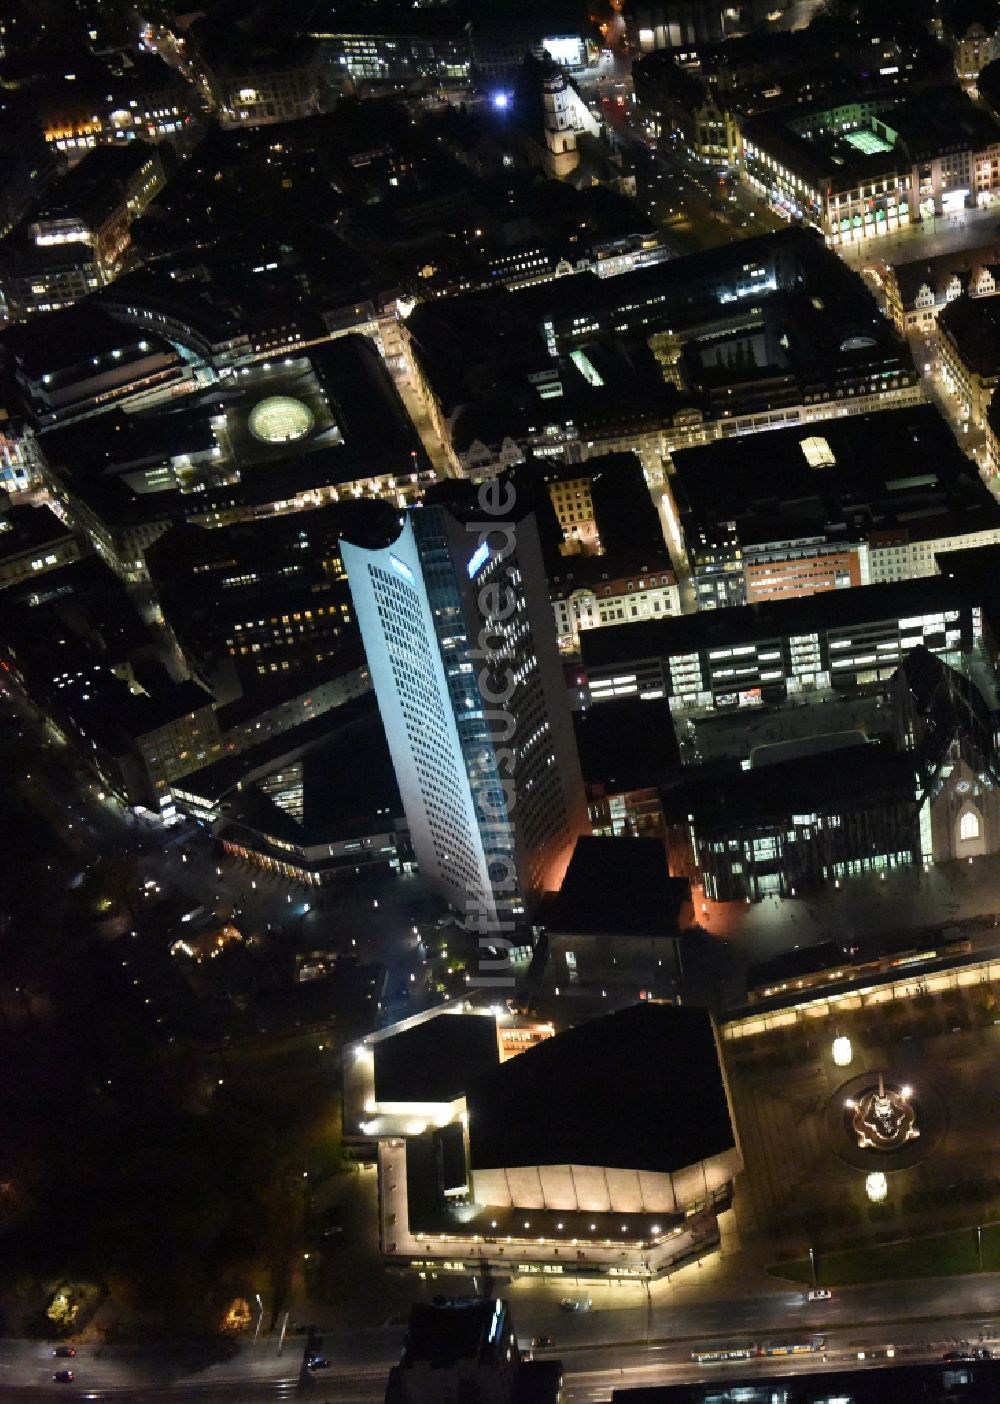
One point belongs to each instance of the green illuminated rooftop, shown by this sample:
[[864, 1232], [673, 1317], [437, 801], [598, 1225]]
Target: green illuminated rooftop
[[867, 142]]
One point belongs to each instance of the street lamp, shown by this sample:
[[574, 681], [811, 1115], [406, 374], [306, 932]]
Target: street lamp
[[260, 1316]]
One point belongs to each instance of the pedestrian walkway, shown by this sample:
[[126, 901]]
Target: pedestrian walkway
[[927, 239]]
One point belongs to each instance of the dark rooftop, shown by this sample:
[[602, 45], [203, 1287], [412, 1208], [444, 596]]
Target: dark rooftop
[[976, 572], [900, 470], [435, 1061], [973, 324], [641, 1090], [347, 772], [68, 338], [373, 435], [628, 522], [446, 1331], [24, 528], [803, 960], [617, 887], [96, 183], [842, 780], [626, 744]]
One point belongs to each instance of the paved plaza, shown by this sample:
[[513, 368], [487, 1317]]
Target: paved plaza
[[864, 910], [805, 1178]]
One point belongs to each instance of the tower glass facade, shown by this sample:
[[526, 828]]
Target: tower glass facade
[[461, 647]]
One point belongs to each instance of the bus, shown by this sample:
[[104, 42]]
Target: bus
[[723, 1354], [809, 1347]]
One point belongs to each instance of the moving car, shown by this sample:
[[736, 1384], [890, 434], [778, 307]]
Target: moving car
[[64, 1376], [66, 1351], [575, 1304], [317, 1362], [819, 1294]]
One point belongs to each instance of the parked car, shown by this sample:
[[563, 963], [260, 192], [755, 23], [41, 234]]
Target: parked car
[[317, 1362], [542, 1341], [575, 1304]]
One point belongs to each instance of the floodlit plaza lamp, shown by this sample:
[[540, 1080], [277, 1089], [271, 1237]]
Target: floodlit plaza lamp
[[843, 1051], [876, 1186]]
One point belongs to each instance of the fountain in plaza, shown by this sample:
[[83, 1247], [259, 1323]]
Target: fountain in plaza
[[884, 1118]]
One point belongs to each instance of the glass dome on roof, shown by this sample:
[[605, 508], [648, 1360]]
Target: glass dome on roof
[[280, 419]]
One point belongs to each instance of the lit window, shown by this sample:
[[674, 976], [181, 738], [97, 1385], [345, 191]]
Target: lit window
[[969, 826]]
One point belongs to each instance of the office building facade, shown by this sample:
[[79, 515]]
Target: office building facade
[[829, 642], [484, 755]]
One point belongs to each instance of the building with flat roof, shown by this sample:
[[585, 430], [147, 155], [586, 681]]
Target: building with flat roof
[[786, 828], [430, 1064], [864, 166], [26, 163], [616, 922], [256, 601], [752, 335], [467, 1349], [802, 815], [316, 803], [977, 573], [969, 353], [150, 102], [411, 1075], [80, 228], [856, 501], [665, 24], [75, 647], [225, 315], [628, 750], [81, 361], [280, 436], [427, 48], [627, 1181], [748, 656], [33, 541]]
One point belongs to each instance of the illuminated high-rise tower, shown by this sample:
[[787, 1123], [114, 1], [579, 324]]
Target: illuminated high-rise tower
[[457, 626]]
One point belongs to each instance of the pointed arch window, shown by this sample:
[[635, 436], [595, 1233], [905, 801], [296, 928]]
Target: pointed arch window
[[968, 827]]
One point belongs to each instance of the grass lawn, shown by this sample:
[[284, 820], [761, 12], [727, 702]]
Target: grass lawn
[[937, 1255]]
